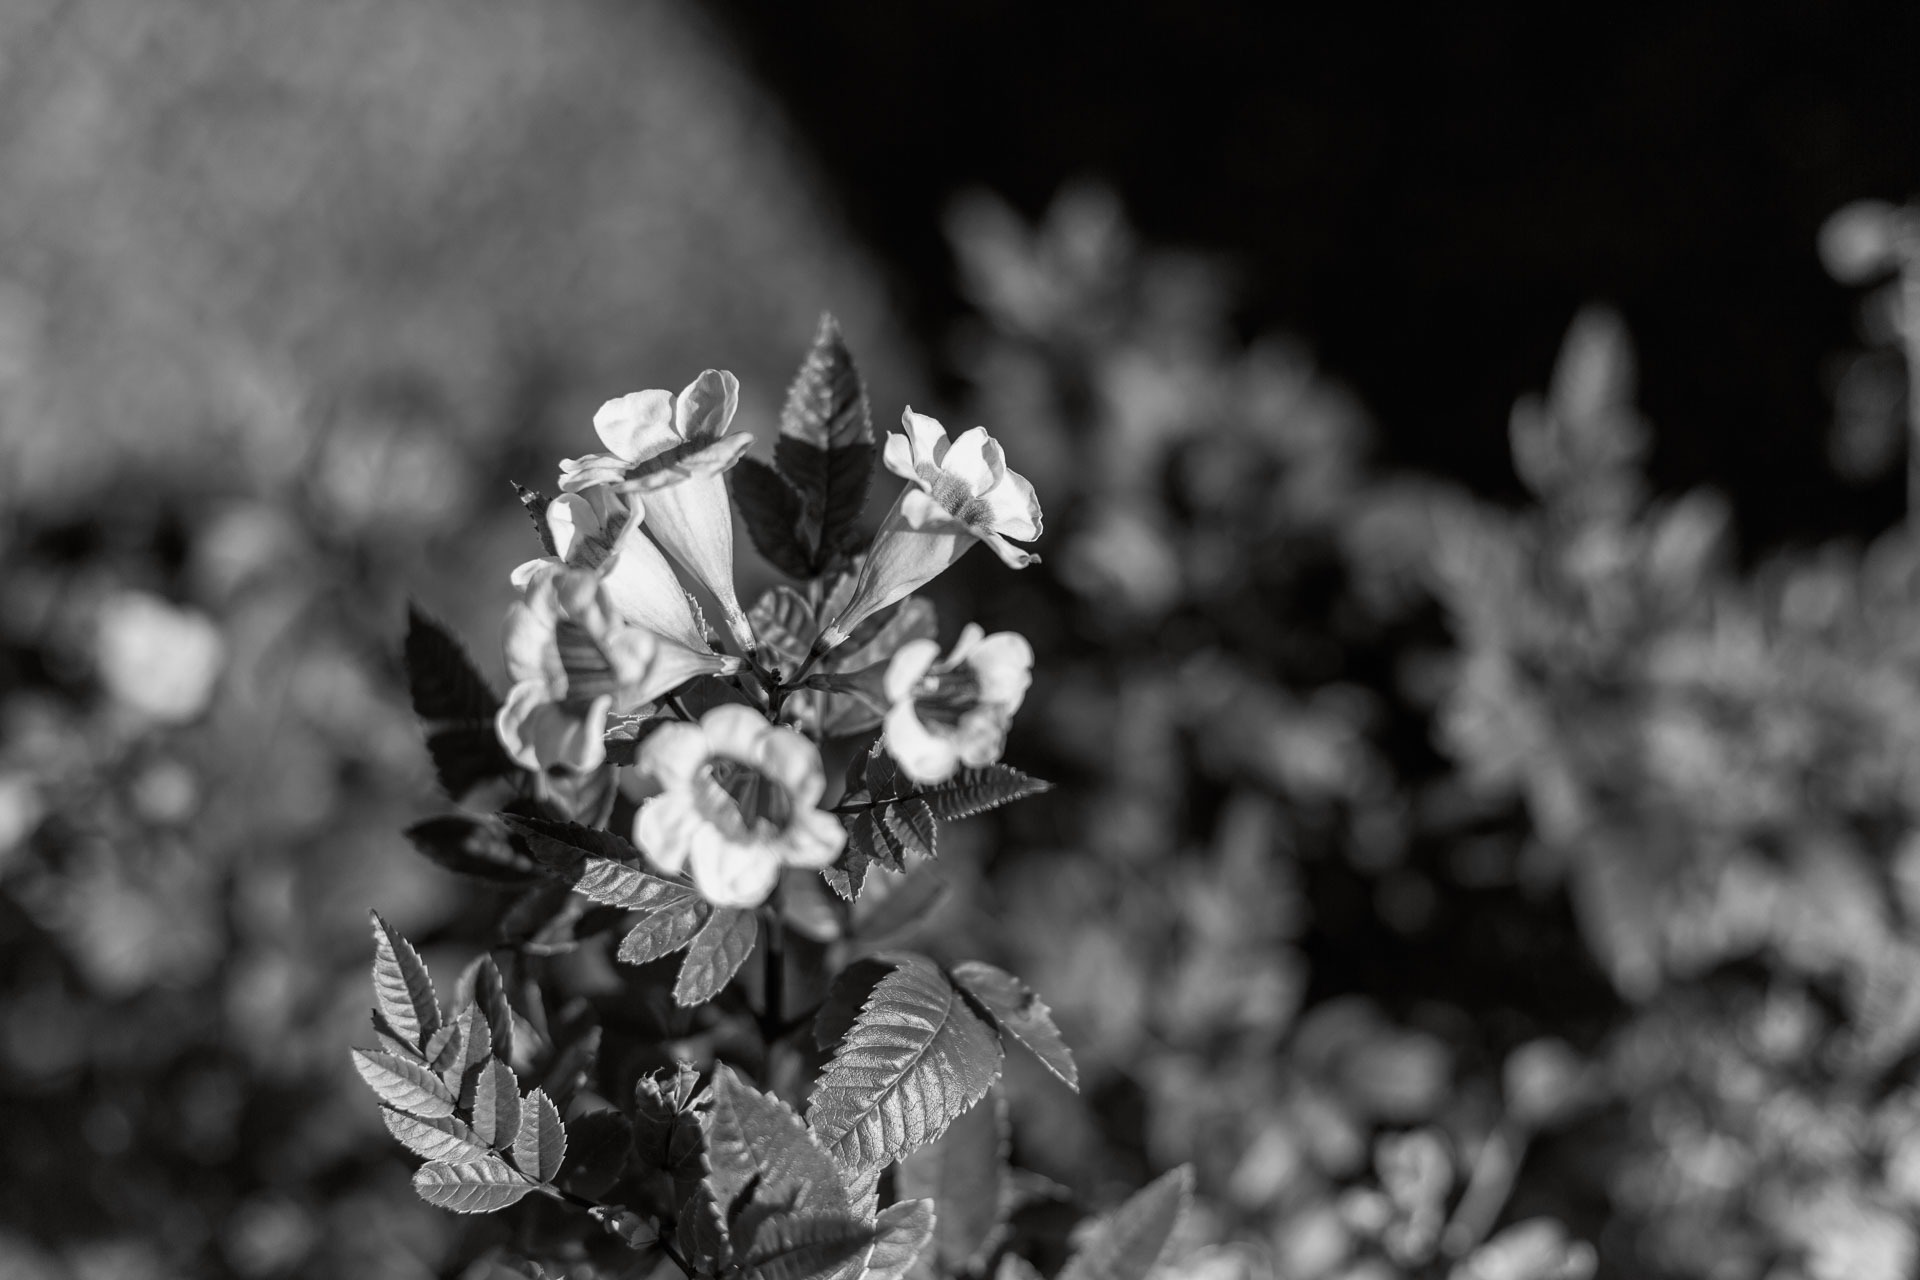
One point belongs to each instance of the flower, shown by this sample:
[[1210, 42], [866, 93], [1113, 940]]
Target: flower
[[161, 661], [960, 493], [675, 449], [575, 661], [946, 714], [739, 803]]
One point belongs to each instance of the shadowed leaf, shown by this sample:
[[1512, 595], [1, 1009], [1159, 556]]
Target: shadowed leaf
[[963, 1171], [1127, 1243], [1019, 1012], [715, 955], [901, 1234]]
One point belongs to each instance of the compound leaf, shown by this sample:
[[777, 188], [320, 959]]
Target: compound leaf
[[441, 1138], [972, 791], [541, 1143], [496, 1105], [471, 1186], [402, 986], [917, 1057], [403, 1085]]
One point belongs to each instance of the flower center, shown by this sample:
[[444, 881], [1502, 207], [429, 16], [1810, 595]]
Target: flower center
[[952, 493], [755, 798], [944, 698], [589, 674]]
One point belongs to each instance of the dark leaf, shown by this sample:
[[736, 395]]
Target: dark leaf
[[702, 1236], [910, 900], [900, 1236], [496, 1105], [667, 1131], [482, 986], [826, 404], [464, 756], [886, 831], [541, 1143], [1127, 1243], [663, 932], [476, 1186], [757, 1149], [573, 1064], [565, 847], [441, 1138], [775, 516], [790, 1247], [402, 986], [596, 1149], [453, 699], [1020, 1013], [715, 955], [847, 996], [964, 1173], [472, 847], [917, 1057], [972, 791], [403, 1085], [785, 626], [849, 875]]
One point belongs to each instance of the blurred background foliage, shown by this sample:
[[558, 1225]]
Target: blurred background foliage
[[1502, 882]]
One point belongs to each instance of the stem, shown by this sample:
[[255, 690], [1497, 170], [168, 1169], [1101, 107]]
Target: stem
[[591, 1206], [773, 992]]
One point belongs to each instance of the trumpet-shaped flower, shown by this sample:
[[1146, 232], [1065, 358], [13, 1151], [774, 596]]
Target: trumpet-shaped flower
[[574, 661], [738, 802], [943, 714], [676, 449], [961, 493]]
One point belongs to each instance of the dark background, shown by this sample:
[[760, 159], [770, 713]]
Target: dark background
[[1426, 193]]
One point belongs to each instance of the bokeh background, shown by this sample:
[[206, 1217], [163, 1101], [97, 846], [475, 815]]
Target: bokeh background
[[1475, 639]]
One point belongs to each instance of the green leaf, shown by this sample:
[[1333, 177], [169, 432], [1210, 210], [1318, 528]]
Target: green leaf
[[757, 1147], [666, 1125], [663, 932], [474, 848], [440, 1138], [443, 1050], [889, 830], [596, 1149], [775, 516], [911, 899], [702, 1235], [457, 704], [1127, 1243], [964, 1172], [1020, 1013], [900, 1236], [849, 875], [403, 1085], [602, 867], [785, 626], [825, 447], [972, 791], [402, 986], [564, 847], [788, 1247], [917, 1057], [826, 404], [482, 986], [715, 955], [541, 1144], [496, 1105], [847, 996], [473, 1186]]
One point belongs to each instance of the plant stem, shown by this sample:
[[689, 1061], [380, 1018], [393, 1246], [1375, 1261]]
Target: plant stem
[[773, 989]]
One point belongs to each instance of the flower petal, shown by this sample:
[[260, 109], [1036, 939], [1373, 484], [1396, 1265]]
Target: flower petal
[[813, 839], [734, 731], [573, 523], [644, 590], [704, 410], [1003, 663], [976, 461], [980, 736], [1015, 507], [580, 474], [673, 754], [637, 426], [916, 541], [663, 830], [910, 662], [1012, 556], [793, 762], [923, 755], [693, 522], [733, 873], [928, 438], [898, 455]]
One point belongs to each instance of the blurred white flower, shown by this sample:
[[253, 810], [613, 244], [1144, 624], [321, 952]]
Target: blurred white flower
[[21, 809], [158, 660], [961, 492], [676, 450], [944, 714], [574, 661], [738, 803]]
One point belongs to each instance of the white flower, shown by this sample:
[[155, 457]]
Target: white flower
[[739, 803], [574, 661], [676, 450], [961, 493], [943, 715], [161, 661]]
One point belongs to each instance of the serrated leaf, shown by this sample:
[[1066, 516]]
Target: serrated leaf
[[1127, 1243], [911, 899], [403, 1085], [564, 847], [849, 876], [775, 516], [702, 1235], [661, 933], [1022, 1014], [496, 1104], [917, 1057], [715, 955], [963, 1171], [901, 1234], [597, 1145], [458, 705], [443, 1050], [785, 626], [886, 831], [756, 1144], [476, 1050], [826, 404], [440, 1138], [849, 993], [402, 986], [541, 1144], [474, 1186], [789, 1247], [482, 986], [666, 1125], [972, 791], [473, 848]]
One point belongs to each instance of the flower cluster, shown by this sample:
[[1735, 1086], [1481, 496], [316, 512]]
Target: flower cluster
[[611, 657]]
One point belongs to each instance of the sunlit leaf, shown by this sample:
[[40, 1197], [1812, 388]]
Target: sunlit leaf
[[1019, 1012], [438, 1138], [496, 1105], [900, 1236], [917, 1057], [474, 1186], [715, 955], [756, 1144], [541, 1143], [403, 1085], [973, 791], [402, 986]]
